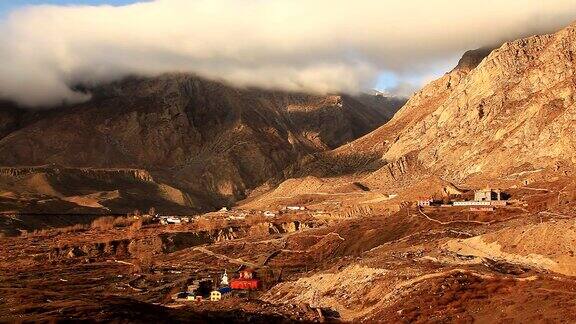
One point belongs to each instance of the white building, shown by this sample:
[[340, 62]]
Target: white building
[[487, 195], [170, 220], [471, 203], [224, 280], [215, 295], [269, 214], [425, 202], [296, 208]]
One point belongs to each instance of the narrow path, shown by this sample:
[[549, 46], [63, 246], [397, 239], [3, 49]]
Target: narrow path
[[453, 222], [227, 258], [319, 194], [535, 189], [555, 214]]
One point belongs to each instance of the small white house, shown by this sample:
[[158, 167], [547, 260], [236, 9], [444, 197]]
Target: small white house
[[427, 202], [215, 295], [269, 214], [296, 208], [487, 195], [170, 220]]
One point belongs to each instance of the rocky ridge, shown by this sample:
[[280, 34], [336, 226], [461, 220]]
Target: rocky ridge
[[518, 101]]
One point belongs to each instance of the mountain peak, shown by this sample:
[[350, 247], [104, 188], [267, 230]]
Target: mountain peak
[[472, 58]]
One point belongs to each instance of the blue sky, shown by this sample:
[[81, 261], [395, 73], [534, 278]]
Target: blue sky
[[7, 5]]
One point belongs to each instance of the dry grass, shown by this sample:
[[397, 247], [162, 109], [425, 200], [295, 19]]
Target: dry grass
[[102, 223], [455, 295], [256, 219], [55, 231], [135, 227], [210, 224], [109, 222], [144, 252], [124, 221]]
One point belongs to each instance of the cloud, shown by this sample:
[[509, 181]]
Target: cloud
[[309, 45]]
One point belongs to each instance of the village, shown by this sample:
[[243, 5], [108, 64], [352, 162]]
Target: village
[[264, 260], [236, 215], [485, 200], [245, 281], [215, 290], [476, 200]]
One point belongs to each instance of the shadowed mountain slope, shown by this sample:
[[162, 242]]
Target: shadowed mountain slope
[[209, 140]]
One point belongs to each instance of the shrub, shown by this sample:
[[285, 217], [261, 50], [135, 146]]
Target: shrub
[[72, 229], [60, 230], [109, 222], [103, 223], [255, 219], [210, 224], [143, 252], [135, 227], [123, 221], [143, 264]]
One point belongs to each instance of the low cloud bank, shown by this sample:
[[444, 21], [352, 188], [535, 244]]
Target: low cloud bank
[[305, 45]]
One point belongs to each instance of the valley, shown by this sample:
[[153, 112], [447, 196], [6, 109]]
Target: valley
[[313, 266]]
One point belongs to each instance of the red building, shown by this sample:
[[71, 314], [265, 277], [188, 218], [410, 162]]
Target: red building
[[245, 281]]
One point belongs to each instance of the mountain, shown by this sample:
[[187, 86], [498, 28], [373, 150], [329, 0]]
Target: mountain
[[497, 113], [501, 117], [210, 142]]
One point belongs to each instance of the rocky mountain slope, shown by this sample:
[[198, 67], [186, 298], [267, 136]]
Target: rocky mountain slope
[[497, 113], [211, 141], [501, 117]]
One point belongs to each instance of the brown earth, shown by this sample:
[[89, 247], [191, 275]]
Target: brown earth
[[403, 266], [502, 118]]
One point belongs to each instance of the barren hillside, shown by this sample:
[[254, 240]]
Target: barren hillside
[[516, 101], [519, 101], [209, 140]]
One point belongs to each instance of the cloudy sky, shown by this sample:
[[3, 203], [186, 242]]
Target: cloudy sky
[[304, 45]]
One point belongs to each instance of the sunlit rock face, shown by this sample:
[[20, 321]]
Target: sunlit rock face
[[512, 110]]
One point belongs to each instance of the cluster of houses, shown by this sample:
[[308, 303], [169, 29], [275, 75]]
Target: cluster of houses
[[241, 214], [484, 199], [229, 214], [201, 290], [173, 220], [284, 210]]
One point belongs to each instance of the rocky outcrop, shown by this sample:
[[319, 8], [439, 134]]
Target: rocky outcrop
[[99, 174], [471, 59], [173, 241]]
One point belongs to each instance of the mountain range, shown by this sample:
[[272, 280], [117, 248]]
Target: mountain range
[[201, 144], [178, 142]]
